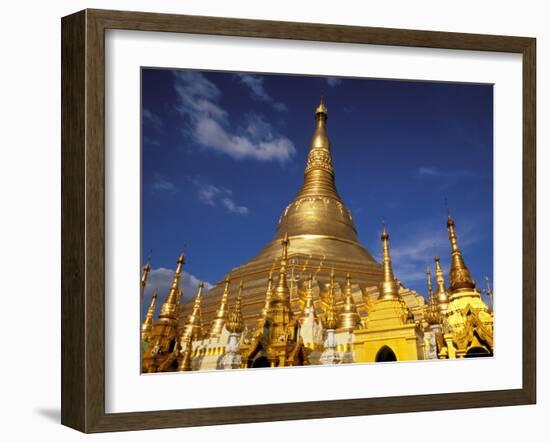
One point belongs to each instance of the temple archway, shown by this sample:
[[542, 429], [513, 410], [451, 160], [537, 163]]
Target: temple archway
[[477, 352], [261, 362], [385, 354]]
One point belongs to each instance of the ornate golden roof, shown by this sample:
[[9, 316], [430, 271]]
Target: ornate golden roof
[[459, 274]]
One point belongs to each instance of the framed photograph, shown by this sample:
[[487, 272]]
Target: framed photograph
[[268, 220]]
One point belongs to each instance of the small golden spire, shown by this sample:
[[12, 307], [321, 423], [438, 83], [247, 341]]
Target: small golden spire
[[282, 290], [308, 304], [442, 297], [147, 325], [194, 322], [169, 310], [429, 277], [221, 313], [285, 242], [349, 318], [321, 111], [264, 313], [280, 311], [389, 288], [144, 275], [235, 322], [186, 360], [459, 274], [489, 292], [331, 320]]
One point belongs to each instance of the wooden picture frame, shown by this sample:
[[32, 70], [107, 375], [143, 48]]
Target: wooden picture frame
[[83, 220]]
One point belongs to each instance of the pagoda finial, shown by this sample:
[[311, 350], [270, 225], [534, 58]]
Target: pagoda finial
[[321, 111], [235, 322], [186, 360], [459, 274], [170, 308], [221, 313], [264, 313], [308, 303], [331, 319], [147, 325], [194, 322], [429, 278], [389, 288], [285, 242], [441, 295], [349, 317], [145, 274]]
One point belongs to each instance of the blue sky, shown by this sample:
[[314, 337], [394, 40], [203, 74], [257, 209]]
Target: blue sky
[[224, 153]]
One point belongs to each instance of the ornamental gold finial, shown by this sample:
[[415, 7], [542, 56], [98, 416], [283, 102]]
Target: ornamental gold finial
[[489, 292], [321, 111], [459, 274], [194, 322], [268, 295], [170, 308], [308, 305], [331, 320], [442, 297], [389, 288], [186, 360], [429, 277], [349, 317], [221, 313], [285, 242], [235, 322], [144, 276], [147, 325]]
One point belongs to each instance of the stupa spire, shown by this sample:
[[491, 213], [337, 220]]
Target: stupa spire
[[144, 276], [235, 322], [221, 313], [169, 310], [279, 308], [349, 318], [268, 295], [194, 323], [429, 278], [459, 274], [441, 295], [326, 212], [308, 302], [331, 319], [388, 287], [147, 325]]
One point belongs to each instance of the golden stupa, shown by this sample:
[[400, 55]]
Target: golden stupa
[[314, 295], [322, 237]]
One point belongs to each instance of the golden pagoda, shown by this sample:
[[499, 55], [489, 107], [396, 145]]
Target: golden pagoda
[[320, 229], [469, 320], [163, 340], [330, 302], [391, 333]]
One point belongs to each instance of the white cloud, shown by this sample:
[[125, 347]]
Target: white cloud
[[215, 196], [161, 183], [160, 280], [198, 102], [151, 119], [258, 91], [435, 172], [411, 255], [333, 81], [231, 207]]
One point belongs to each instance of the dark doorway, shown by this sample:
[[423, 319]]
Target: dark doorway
[[477, 352], [385, 354], [261, 362]]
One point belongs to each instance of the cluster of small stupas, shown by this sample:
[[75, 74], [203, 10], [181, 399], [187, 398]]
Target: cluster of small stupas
[[315, 295]]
